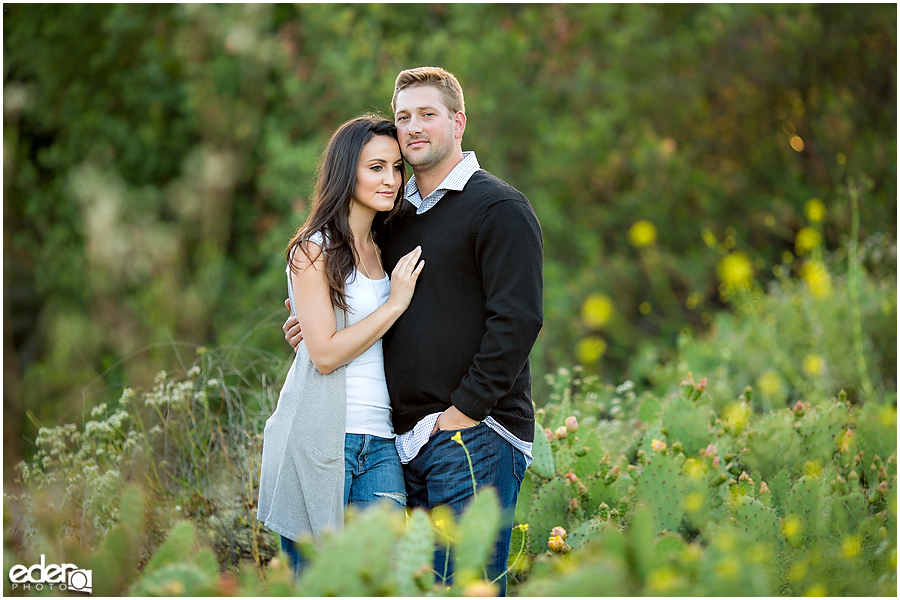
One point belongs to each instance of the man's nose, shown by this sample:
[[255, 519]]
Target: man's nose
[[415, 125]]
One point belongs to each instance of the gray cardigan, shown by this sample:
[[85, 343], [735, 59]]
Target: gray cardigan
[[301, 482]]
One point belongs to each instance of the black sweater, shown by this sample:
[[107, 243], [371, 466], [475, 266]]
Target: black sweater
[[476, 311]]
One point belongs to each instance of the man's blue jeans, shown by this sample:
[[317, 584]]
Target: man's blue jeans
[[372, 473], [440, 474]]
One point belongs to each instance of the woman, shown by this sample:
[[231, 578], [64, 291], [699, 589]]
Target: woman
[[330, 440]]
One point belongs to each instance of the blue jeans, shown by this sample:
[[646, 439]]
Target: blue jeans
[[440, 474], [372, 473]]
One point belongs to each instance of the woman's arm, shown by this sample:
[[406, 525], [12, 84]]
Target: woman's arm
[[327, 347]]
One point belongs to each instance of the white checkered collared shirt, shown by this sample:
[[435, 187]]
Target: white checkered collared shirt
[[456, 180], [410, 443]]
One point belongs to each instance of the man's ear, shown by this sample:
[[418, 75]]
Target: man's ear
[[459, 124]]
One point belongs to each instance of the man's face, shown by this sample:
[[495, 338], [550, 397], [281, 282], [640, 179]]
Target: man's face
[[426, 127]]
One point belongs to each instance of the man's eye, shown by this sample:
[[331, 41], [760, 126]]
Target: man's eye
[[402, 118]]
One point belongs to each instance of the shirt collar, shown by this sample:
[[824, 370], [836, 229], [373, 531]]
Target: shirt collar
[[455, 180]]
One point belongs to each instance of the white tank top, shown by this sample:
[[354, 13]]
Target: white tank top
[[368, 403]]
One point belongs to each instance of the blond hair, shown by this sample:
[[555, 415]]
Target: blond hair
[[443, 80]]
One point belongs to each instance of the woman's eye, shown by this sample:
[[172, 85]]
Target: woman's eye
[[376, 168]]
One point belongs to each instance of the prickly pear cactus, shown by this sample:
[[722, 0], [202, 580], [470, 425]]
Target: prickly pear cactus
[[579, 453], [661, 487], [735, 565], [810, 503], [477, 533], [772, 445], [688, 421], [589, 530], [543, 464], [758, 521], [357, 562], [876, 435], [849, 510], [414, 554], [819, 432], [519, 560], [552, 507], [604, 488]]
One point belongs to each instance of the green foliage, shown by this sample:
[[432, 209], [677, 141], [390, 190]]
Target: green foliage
[[731, 518], [155, 168], [669, 521], [703, 212], [193, 441]]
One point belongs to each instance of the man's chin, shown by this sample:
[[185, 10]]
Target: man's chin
[[416, 160]]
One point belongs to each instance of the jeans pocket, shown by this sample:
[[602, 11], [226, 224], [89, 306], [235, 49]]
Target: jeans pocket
[[519, 465]]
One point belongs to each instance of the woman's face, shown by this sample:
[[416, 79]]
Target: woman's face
[[379, 175]]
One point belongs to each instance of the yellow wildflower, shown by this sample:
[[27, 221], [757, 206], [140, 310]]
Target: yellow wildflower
[[694, 469], [590, 349], [693, 502], [807, 239], [813, 468], [480, 589], [596, 310], [798, 571], [735, 270], [814, 209], [663, 580], [851, 546], [736, 415], [817, 589], [813, 364], [728, 568], [642, 234], [769, 383], [792, 527]]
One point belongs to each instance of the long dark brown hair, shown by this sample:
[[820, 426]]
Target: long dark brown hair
[[335, 186]]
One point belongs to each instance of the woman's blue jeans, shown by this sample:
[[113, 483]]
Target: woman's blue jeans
[[440, 474], [372, 473]]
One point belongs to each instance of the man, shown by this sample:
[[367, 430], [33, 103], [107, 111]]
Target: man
[[457, 360]]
